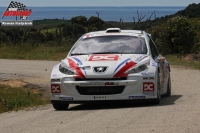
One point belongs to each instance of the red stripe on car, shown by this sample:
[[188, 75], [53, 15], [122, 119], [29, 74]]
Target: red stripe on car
[[75, 67], [127, 66]]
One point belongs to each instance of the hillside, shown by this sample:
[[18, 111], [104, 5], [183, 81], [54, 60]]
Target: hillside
[[191, 11]]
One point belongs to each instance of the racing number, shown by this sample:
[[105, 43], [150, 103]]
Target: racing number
[[55, 88], [148, 86], [103, 57]]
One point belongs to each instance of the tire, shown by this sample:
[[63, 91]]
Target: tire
[[168, 94], [158, 99], [60, 106]]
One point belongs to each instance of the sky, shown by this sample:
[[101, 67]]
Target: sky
[[31, 3]]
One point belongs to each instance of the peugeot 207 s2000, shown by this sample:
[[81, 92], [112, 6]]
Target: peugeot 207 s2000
[[113, 64]]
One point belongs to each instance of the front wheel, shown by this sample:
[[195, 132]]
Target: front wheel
[[158, 99], [168, 87], [60, 106]]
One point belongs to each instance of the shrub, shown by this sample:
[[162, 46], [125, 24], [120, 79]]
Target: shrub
[[175, 36]]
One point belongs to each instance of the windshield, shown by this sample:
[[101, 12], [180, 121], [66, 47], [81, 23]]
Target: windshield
[[110, 44]]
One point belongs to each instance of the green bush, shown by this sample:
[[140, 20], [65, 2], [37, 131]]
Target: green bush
[[175, 36], [73, 30], [3, 37], [49, 36], [96, 22], [80, 20]]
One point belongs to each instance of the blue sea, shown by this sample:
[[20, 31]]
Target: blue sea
[[105, 13]]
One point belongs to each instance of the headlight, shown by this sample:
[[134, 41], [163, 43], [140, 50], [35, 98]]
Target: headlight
[[139, 68], [63, 68]]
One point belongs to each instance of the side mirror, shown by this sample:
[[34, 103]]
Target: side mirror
[[161, 59]]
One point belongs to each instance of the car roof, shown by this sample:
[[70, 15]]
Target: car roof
[[115, 31], [120, 31]]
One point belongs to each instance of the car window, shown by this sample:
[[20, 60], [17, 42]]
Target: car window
[[118, 44], [154, 51]]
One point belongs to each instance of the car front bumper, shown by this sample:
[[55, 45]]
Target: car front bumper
[[69, 90]]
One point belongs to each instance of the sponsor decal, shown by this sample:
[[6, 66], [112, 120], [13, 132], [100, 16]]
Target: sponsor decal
[[111, 83], [98, 84], [92, 84], [66, 98], [148, 78], [17, 9], [56, 66], [151, 73], [148, 88], [54, 75], [104, 57], [55, 88], [154, 64], [136, 97], [101, 69], [99, 97], [144, 73]]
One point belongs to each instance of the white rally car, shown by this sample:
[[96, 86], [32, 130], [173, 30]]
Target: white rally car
[[113, 64]]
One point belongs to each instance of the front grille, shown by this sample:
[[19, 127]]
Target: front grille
[[104, 79], [100, 90]]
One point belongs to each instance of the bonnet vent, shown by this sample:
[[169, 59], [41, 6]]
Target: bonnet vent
[[110, 30]]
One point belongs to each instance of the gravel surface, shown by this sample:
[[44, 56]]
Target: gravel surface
[[179, 113]]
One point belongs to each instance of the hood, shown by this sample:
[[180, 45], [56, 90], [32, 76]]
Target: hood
[[103, 65]]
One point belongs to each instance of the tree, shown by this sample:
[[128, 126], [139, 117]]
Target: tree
[[73, 30], [61, 24], [80, 20], [191, 11], [95, 22], [176, 35]]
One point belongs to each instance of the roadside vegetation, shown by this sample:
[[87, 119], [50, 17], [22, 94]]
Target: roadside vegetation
[[177, 34], [25, 51], [189, 61], [16, 98]]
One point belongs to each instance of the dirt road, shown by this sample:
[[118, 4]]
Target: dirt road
[[178, 114]]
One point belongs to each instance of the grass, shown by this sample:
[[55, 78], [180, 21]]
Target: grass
[[29, 52], [19, 98], [52, 52], [181, 61], [52, 30]]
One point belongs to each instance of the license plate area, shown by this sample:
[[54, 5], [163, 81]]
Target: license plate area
[[100, 90]]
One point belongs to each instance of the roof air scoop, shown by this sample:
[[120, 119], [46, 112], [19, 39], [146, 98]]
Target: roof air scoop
[[111, 30]]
